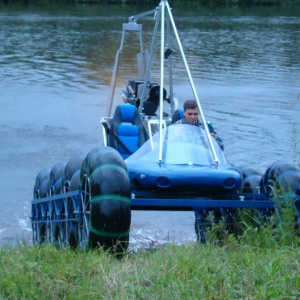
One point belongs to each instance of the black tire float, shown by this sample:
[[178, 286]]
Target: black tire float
[[205, 218], [281, 175], [110, 208], [41, 181], [96, 157], [251, 184], [201, 225], [40, 211], [72, 183], [251, 179], [57, 230], [72, 172], [231, 216], [57, 178]]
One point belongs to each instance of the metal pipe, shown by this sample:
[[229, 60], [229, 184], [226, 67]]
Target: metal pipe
[[147, 77], [114, 76], [161, 91], [192, 84]]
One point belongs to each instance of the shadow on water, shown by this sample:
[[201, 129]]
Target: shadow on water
[[56, 64]]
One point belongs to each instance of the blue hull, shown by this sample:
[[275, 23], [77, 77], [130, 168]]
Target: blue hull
[[184, 179]]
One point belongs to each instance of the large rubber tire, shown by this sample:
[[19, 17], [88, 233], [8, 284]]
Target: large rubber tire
[[72, 183], [55, 235], [203, 222], [57, 228], [110, 190], [251, 179], [73, 239], [41, 179], [97, 157], [39, 211], [282, 175], [252, 183], [201, 225], [57, 178], [72, 168], [42, 233]]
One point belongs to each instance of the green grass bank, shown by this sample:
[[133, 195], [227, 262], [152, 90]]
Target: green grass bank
[[262, 261], [191, 271]]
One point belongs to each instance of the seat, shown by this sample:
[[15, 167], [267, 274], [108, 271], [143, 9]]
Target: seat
[[178, 115], [127, 132], [151, 104]]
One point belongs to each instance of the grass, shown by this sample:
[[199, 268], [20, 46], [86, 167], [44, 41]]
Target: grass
[[263, 262], [260, 261], [192, 271]]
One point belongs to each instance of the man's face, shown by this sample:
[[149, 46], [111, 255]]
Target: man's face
[[191, 115]]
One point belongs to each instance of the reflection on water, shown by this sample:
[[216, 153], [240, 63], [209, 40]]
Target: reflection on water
[[56, 66]]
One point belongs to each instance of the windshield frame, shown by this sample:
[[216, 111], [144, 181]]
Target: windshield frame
[[182, 144]]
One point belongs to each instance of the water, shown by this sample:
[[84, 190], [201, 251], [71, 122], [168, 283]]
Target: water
[[56, 65]]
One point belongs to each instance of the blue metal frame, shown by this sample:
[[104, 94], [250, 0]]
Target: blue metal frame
[[246, 201], [252, 201], [51, 220], [196, 204]]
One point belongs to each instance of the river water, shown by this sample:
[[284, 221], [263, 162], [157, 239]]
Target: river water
[[56, 65]]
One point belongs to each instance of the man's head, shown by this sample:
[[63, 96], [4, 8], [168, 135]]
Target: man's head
[[191, 111]]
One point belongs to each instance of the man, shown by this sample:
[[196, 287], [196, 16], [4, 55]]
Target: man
[[190, 112], [191, 115]]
